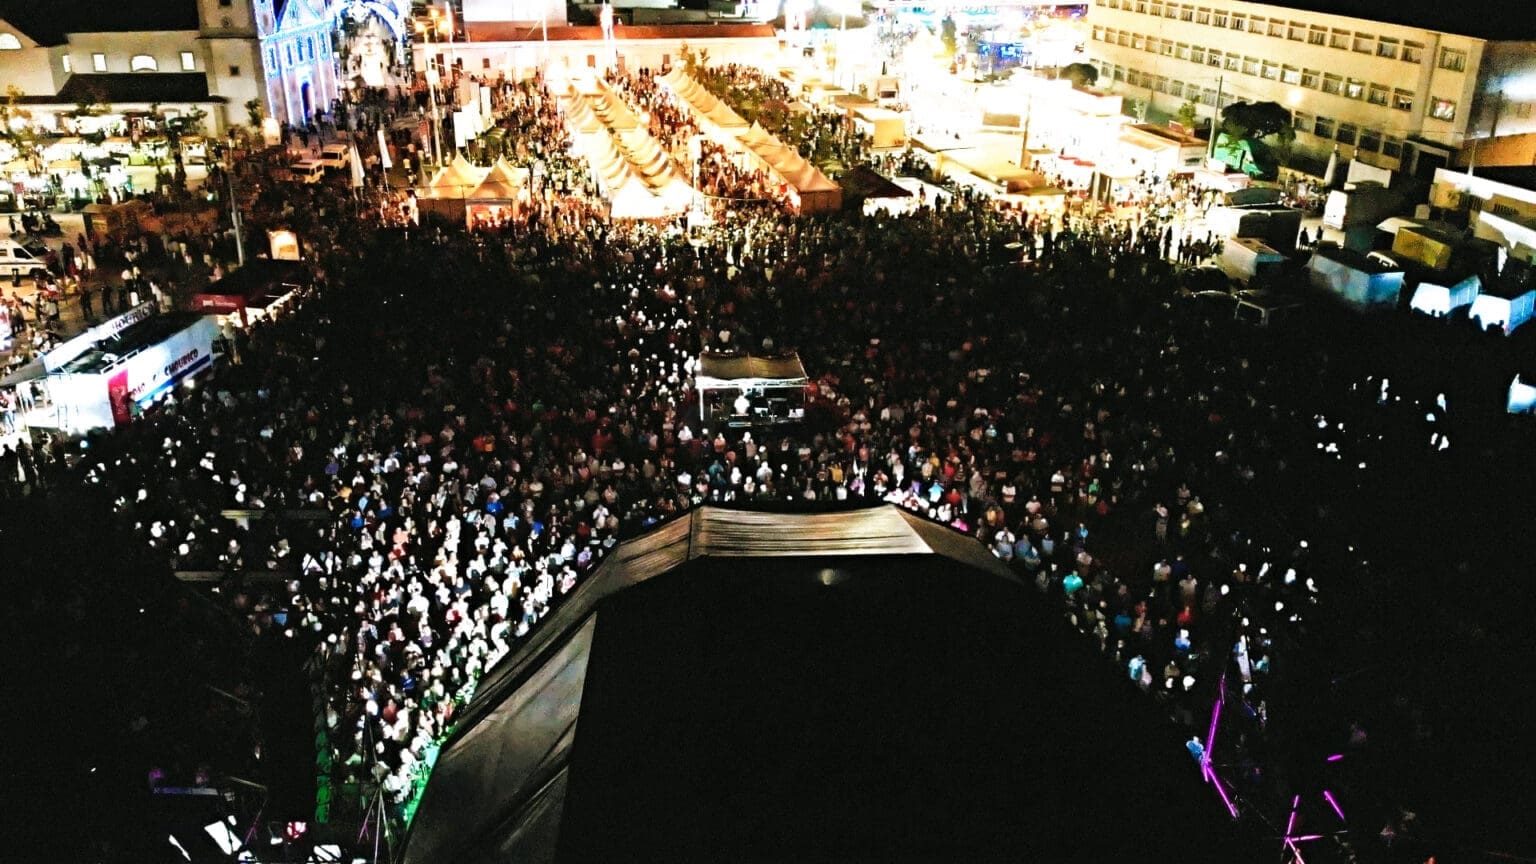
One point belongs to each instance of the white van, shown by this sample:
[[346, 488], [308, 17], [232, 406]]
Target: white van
[[15, 259], [307, 171], [335, 156]]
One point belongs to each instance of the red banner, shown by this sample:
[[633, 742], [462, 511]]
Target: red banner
[[117, 396]]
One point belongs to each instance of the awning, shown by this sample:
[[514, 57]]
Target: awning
[[1394, 224], [29, 371]]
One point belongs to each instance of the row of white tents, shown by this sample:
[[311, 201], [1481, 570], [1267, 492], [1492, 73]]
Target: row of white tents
[[636, 174], [806, 186]]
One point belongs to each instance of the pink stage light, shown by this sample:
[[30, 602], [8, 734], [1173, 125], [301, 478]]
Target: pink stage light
[[1334, 804], [1336, 757]]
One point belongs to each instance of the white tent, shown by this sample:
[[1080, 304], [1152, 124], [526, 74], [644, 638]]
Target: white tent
[[636, 174], [1439, 301], [811, 190], [713, 116]]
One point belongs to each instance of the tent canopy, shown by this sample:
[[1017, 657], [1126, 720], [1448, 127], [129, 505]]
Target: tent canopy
[[811, 685], [718, 371]]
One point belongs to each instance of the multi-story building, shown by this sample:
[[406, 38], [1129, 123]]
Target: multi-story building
[[1395, 95], [181, 55]]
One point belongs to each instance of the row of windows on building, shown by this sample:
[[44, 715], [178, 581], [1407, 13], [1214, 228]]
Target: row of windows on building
[[136, 63], [1350, 134], [297, 51], [1336, 85], [1406, 50]]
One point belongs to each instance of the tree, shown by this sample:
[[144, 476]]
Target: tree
[[176, 130], [1254, 121], [1080, 74], [1188, 114], [947, 35], [21, 134], [255, 113]]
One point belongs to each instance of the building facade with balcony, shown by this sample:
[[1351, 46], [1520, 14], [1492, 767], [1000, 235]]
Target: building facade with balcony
[[1392, 94]]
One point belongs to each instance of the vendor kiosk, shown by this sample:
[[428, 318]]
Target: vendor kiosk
[[740, 390]]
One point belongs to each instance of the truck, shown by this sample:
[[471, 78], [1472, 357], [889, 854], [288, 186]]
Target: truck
[[1245, 259]]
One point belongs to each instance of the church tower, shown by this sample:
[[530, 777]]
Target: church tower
[[232, 56]]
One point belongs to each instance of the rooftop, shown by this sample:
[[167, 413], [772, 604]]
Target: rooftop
[[506, 31], [1482, 19], [118, 88], [848, 685]]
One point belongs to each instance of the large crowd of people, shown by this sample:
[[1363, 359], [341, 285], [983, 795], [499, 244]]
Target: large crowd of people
[[452, 429]]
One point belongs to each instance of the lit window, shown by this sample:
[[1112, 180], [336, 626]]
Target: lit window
[[68, 66], [143, 63], [9, 42], [99, 62], [1339, 39], [1333, 84], [1387, 48], [1301, 120], [1157, 9], [1182, 51], [1309, 78], [1377, 95], [1238, 22], [1219, 19], [1202, 16], [1277, 29], [1269, 70], [1354, 88], [1364, 44], [1175, 88], [1197, 54], [188, 63], [1442, 109], [1455, 61], [1297, 32], [1413, 52], [1098, 34], [1290, 75], [1167, 48], [1216, 58], [1187, 13], [1234, 63], [1317, 36], [1402, 100]]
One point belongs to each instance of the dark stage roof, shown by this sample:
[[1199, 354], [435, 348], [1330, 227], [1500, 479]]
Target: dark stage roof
[[860, 685]]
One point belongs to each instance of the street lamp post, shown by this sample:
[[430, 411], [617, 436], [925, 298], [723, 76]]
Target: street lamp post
[[234, 203]]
